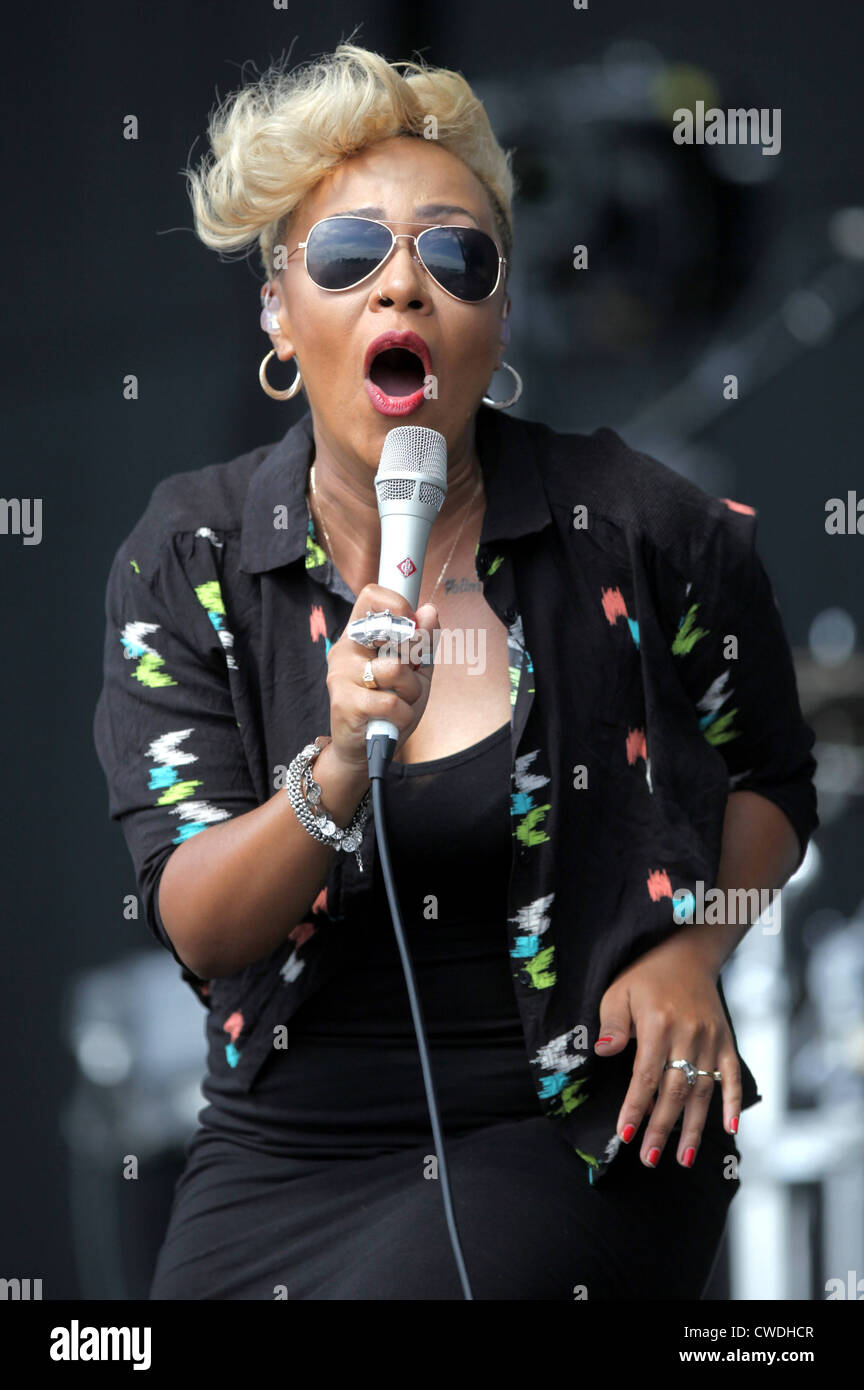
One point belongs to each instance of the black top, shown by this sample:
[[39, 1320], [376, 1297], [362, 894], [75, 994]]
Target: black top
[[632, 716], [349, 1082]]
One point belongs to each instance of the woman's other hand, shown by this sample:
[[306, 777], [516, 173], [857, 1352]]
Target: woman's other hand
[[668, 1001]]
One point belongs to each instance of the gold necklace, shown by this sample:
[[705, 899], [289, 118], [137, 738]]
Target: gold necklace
[[458, 538], [452, 548], [323, 524]]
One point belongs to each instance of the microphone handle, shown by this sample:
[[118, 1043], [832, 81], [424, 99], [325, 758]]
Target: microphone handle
[[404, 536]]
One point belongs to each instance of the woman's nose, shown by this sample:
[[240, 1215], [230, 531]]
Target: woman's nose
[[402, 276]]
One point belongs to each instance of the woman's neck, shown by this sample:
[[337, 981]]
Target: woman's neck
[[345, 505]]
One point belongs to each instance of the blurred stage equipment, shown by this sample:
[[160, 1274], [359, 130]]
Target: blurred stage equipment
[[798, 1003], [673, 233], [138, 1038], [684, 263]]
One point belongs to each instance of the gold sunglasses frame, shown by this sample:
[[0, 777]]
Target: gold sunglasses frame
[[396, 236]]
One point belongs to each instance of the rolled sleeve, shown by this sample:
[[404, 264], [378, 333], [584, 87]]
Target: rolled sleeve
[[747, 699], [164, 727]]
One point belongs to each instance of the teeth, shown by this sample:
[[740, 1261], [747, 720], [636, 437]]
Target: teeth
[[397, 347]]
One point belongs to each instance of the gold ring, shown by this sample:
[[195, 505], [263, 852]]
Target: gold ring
[[369, 677]]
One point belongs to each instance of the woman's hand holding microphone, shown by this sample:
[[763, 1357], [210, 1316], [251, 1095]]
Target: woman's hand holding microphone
[[400, 697]]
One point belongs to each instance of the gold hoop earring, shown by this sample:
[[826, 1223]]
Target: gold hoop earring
[[265, 384], [511, 400]]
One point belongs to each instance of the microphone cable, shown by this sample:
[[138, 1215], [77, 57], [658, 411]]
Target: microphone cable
[[378, 763]]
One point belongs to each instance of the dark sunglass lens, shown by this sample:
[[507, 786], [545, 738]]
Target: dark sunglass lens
[[462, 259], [344, 250]]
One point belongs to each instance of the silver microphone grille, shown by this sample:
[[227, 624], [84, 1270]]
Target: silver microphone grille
[[413, 455]]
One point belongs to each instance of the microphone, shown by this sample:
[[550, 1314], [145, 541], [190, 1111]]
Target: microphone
[[411, 484]]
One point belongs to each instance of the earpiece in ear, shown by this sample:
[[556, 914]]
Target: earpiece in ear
[[270, 308]]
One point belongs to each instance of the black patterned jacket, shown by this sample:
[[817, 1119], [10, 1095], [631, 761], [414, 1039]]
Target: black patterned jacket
[[619, 582]]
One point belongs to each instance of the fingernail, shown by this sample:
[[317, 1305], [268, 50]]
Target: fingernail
[[606, 1039], [627, 1133], [733, 1124], [689, 1156], [653, 1155]]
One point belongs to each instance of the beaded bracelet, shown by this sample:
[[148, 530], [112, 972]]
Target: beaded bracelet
[[305, 794]]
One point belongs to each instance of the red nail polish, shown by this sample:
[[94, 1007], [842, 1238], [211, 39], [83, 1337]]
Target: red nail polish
[[627, 1133], [733, 1124], [689, 1156], [607, 1039], [653, 1155]]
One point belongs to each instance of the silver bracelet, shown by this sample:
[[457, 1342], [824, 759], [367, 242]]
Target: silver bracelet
[[305, 794]]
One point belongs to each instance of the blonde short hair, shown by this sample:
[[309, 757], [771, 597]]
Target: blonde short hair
[[272, 141]]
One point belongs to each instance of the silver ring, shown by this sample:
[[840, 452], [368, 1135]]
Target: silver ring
[[687, 1067], [369, 677], [716, 1074], [376, 628]]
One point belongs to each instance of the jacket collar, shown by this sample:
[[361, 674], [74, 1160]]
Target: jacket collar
[[516, 503]]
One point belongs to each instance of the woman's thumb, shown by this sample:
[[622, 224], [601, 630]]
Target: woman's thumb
[[427, 615], [423, 647], [614, 1034]]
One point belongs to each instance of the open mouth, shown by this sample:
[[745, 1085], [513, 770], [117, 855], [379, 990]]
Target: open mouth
[[397, 372]]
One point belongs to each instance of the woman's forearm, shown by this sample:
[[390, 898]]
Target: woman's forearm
[[760, 849], [231, 894]]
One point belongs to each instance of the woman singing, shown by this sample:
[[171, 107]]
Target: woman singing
[[617, 741]]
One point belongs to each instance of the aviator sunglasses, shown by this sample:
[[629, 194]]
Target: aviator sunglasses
[[342, 251]]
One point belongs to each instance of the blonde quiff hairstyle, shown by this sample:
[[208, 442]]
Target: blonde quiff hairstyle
[[274, 140]]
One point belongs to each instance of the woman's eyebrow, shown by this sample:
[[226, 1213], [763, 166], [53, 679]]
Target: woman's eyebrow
[[425, 210], [437, 209]]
